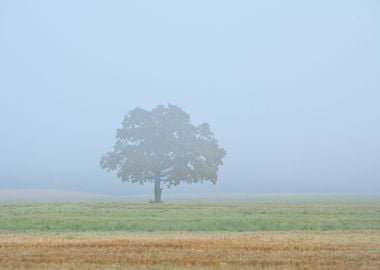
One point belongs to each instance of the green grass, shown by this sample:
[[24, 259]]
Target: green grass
[[107, 216]]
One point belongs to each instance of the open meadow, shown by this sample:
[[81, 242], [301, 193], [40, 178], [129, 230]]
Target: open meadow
[[285, 233]]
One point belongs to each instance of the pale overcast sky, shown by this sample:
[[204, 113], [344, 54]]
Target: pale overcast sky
[[291, 89]]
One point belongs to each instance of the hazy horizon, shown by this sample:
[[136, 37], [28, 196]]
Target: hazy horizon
[[290, 89]]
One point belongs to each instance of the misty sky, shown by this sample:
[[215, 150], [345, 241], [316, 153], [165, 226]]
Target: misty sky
[[290, 88]]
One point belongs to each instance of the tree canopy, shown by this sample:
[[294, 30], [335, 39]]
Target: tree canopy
[[163, 146]]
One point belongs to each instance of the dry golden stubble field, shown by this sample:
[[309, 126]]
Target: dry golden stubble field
[[261, 250]]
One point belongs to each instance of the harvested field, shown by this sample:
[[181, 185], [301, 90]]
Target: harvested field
[[260, 250]]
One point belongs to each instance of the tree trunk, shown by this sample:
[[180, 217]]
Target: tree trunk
[[157, 191]]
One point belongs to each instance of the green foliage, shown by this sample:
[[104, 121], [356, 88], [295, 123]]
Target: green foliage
[[188, 216], [162, 145]]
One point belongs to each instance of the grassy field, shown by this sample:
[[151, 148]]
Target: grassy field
[[188, 216], [291, 233]]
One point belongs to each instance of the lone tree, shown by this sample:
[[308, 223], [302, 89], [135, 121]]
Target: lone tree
[[163, 147]]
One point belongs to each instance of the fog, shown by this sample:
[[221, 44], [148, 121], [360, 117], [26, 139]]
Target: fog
[[291, 90]]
